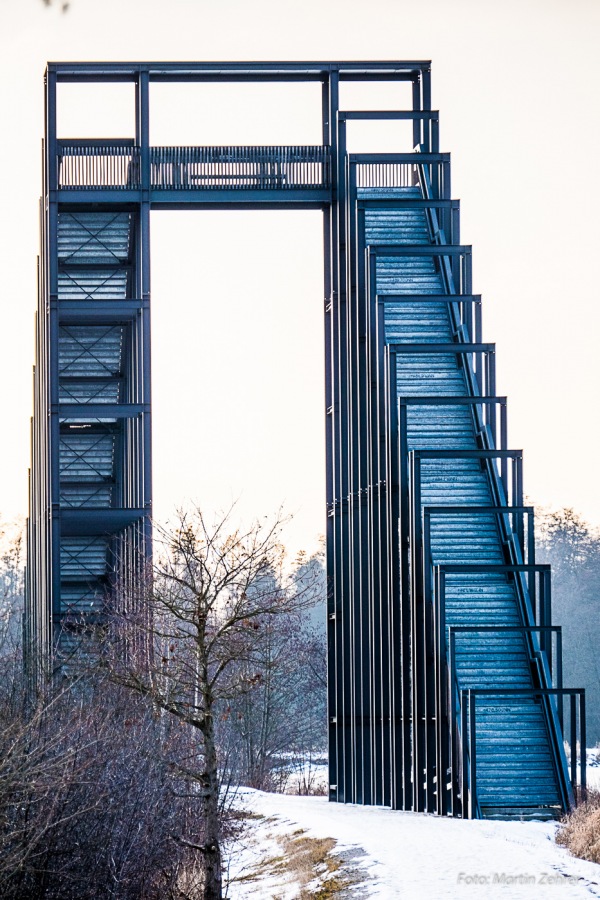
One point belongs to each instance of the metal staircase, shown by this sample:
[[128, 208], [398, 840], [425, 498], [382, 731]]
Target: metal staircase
[[474, 753], [97, 413], [94, 252]]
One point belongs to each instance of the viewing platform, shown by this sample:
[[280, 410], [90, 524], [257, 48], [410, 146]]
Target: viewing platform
[[181, 174]]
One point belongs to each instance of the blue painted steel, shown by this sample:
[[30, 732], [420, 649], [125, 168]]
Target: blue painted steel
[[444, 670]]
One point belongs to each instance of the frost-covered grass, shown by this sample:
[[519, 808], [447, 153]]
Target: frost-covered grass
[[362, 852], [580, 832]]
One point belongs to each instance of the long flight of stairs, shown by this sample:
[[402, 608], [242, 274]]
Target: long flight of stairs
[[519, 766], [97, 373]]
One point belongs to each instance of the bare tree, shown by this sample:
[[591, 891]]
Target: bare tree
[[91, 800], [214, 590], [280, 723], [105, 792]]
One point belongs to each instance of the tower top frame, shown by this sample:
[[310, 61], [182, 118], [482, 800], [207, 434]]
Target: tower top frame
[[241, 71]]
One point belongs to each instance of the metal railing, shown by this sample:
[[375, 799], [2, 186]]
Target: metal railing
[[468, 721], [429, 171], [386, 175], [95, 165], [92, 165], [224, 168], [442, 700], [457, 748]]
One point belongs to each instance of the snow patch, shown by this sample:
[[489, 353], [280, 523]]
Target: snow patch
[[408, 855]]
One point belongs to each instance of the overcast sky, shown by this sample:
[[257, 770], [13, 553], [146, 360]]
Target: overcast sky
[[237, 297]]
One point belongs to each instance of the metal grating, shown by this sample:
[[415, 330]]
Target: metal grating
[[93, 238], [86, 457], [90, 351]]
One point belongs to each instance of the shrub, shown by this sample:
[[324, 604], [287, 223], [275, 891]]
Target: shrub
[[580, 830]]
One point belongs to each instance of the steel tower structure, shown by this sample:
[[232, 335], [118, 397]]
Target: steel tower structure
[[445, 678]]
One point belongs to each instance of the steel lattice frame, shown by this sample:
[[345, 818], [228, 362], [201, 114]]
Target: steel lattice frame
[[89, 527]]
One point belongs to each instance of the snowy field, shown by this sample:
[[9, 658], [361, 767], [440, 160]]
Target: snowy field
[[373, 852]]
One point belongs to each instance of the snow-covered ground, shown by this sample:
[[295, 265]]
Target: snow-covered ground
[[384, 853]]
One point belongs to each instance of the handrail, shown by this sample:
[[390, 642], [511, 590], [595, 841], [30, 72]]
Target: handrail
[[466, 309], [117, 165], [449, 753], [282, 167], [385, 175], [527, 547], [486, 456], [493, 420], [425, 121], [541, 655], [512, 539], [449, 265], [469, 749], [473, 376], [483, 353], [430, 173], [98, 165]]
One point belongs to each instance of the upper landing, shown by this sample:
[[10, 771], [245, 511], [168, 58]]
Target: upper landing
[[114, 170], [303, 170]]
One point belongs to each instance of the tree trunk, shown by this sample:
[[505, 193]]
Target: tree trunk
[[213, 885]]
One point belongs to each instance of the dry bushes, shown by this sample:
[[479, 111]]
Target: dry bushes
[[93, 802], [580, 831]]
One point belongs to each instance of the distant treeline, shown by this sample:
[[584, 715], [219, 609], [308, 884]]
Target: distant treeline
[[572, 547]]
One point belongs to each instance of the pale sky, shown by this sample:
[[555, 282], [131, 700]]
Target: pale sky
[[237, 297]]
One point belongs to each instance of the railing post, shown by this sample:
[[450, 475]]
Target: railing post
[[418, 645], [443, 719], [416, 105], [582, 746], [454, 774], [405, 584], [573, 705], [143, 128], [559, 679], [545, 617], [431, 663], [472, 756], [465, 805]]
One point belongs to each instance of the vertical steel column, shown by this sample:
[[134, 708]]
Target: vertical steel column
[[143, 105], [426, 88], [357, 528], [397, 650], [369, 495], [334, 614], [51, 251], [408, 716], [352, 723], [340, 733], [419, 728], [350, 461], [416, 105]]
